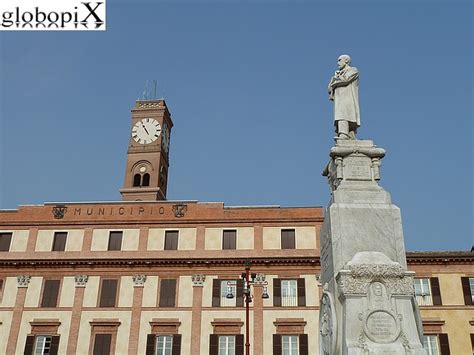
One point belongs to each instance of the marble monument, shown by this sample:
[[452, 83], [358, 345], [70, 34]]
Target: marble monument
[[368, 305]]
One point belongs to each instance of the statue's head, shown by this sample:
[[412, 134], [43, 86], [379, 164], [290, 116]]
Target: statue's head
[[343, 61]]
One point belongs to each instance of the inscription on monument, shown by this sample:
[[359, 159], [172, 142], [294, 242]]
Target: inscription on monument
[[356, 168], [382, 327]]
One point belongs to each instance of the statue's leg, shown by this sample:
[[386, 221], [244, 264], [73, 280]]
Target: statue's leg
[[343, 130]]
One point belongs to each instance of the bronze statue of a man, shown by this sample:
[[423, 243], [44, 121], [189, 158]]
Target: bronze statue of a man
[[344, 91]]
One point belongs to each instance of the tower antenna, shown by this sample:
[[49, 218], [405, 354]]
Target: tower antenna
[[145, 91], [155, 83]]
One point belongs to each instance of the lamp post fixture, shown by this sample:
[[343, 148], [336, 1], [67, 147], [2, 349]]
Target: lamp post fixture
[[249, 280]]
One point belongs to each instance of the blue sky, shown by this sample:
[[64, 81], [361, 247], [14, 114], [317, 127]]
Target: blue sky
[[246, 85]]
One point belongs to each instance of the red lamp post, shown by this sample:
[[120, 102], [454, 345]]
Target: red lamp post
[[249, 280]]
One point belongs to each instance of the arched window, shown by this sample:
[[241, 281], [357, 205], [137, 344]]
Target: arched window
[[146, 180], [137, 178]]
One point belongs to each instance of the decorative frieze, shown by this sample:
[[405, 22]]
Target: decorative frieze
[[260, 279], [198, 280], [356, 280], [139, 280], [81, 280], [23, 280]]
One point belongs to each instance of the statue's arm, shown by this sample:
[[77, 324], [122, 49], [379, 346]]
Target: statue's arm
[[345, 79]]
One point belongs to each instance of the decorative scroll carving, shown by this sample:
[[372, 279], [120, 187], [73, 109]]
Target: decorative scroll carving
[[327, 323], [260, 279], [138, 280], [357, 279], [376, 270], [198, 280], [179, 210], [81, 280], [23, 280], [59, 211]]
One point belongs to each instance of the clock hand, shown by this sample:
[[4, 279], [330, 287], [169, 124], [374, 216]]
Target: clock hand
[[145, 129]]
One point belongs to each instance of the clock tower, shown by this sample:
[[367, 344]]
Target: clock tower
[[146, 174]]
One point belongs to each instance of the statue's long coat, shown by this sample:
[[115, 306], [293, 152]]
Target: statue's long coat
[[346, 97]]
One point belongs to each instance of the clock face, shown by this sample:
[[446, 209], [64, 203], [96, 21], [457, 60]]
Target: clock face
[[146, 131]]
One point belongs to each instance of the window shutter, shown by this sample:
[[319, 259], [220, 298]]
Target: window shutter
[[102, 344], [30, 343], [171, 240], [167, 293], [239, 300], [435, 292], [176, 344], [288, 239], [466, 289], [59, 243], [301, 292], [229, 239], [5, 240], [276, 292], [303, 344], [213, 344], [239, 344], [54, 345], [50, 293], [444, 344], [216, 293], [276, 344], [108, 293], [115, 240], [150, 344]]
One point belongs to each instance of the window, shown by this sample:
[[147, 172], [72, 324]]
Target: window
[[5, 240], [115, 241], [141, 180], [226, 344], [219, 292], [59, 241], [167, 293], [108, 293], [430, 344], [229, 238], [137, 180], [290, 344], [226, 286], [427, 291], [164, 344], [294, 344], [171, 240], [41, 345], [468, 290], [169, 344], [146, 180], [50, 293], [288, 239], [289, 293], [102, 344]]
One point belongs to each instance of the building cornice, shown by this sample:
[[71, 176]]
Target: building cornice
[[148, 262]]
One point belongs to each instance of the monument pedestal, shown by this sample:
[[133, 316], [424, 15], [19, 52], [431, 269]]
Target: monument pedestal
[[368, 304]]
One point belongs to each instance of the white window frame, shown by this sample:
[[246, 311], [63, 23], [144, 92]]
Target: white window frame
[[290, 345], [289, 293], [166, 344], [227, 344], [224, 301], [41, 344], [431, 344], [423, 293]]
